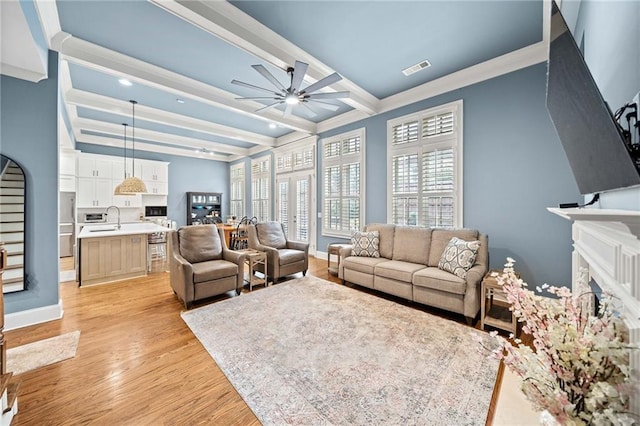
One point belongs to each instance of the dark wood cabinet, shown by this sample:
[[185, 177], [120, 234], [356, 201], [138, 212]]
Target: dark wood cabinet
[[204, 207]]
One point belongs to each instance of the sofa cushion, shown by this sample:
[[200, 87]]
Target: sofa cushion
[[411, 244], [441, 237], [362, 264], [459, 256], [270, 234], [288, 256], [386, 232], [213, 270], [397, 270], [365, 244], [439, 280], [199, 243]]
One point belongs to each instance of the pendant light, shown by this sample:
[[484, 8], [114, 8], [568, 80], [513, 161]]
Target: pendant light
[[131, 185]]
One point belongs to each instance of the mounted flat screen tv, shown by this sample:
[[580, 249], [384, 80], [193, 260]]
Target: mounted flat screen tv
[[600, 158]]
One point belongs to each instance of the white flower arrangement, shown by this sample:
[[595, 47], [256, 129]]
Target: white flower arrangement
[[579, 370]]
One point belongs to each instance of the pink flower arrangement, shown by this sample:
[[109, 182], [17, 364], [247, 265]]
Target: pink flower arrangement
[[579, 370]]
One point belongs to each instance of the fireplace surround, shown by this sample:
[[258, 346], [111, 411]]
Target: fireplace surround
[[606, 243]]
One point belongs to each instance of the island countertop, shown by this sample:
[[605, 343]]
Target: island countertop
[[111, 230]]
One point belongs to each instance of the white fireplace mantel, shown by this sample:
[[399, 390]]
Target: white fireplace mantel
[[607, 244]]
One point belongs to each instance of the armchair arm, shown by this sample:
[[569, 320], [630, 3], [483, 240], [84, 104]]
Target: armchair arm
[[298, 245], [475, 276], [182, 277], [344, 253], [236, 257]]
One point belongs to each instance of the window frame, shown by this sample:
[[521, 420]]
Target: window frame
[[240, 182], [340, 161], [263, 174], [421, 146]]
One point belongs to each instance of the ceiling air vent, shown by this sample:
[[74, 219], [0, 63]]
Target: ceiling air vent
[[417, 67]]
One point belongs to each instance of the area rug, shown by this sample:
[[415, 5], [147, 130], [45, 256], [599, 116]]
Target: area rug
[[309, 352], [43, 352]]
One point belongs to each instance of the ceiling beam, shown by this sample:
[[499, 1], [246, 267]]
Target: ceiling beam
[[232, 25], [160, 137], [143, 112], [117, 143], [117, 64]]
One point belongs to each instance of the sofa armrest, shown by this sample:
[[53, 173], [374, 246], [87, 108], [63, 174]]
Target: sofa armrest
[[475, 276], [345, 252], [181, 277], [298, 245]]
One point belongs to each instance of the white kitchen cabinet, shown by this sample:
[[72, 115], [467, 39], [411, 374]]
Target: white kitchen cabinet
[[117, 169], [157, 188], [124, 201], [95, 167], [67, 183], [155, 171], [94, 192]]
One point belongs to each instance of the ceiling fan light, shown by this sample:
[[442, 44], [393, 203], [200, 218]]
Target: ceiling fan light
[[291, 99]]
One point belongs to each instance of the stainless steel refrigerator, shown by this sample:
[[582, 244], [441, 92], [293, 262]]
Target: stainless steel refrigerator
[[67, 223]]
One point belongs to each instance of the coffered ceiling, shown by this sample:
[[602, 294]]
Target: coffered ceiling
[[181, 56]]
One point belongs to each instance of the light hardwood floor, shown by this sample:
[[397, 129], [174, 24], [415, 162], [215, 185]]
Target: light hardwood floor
[[137, 362]]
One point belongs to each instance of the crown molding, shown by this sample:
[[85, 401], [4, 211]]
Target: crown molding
[[116, 131], [341, 120], [22, 73], [117, 64], [143, 112], [141, 146], [232, 25]]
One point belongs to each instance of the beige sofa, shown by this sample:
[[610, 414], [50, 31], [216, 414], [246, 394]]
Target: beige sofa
[[408, 268]]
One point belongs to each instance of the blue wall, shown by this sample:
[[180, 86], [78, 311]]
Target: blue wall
[[514, 168], [29, 135], [186, 174], [611, 31]]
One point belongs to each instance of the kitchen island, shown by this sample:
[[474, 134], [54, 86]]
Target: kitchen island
[[110, 254]]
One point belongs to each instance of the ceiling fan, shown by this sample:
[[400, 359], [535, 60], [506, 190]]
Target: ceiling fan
[[294, 95]]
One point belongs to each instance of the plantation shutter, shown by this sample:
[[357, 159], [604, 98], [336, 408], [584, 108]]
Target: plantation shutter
[[405, 133], [438, 188], [237, 190], [260, 182]]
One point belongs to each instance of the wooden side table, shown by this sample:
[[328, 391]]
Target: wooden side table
[[253, 258], [494, 308], [334, 248]]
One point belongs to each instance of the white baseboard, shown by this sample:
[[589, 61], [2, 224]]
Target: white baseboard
[[322, 255], [33, 316]]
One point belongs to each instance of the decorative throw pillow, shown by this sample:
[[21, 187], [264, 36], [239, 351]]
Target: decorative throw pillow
[[365, 244], [459, 256]]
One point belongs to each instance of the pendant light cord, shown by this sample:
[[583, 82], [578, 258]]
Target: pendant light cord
[[124, 125], [133, 138]]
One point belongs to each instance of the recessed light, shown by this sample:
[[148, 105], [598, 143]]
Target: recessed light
[[125, 82], [180, 101], [272, 125]]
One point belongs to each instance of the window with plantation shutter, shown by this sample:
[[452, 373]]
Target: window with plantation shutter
[[343, 183], [260, 188], [425, 171], [236, 207]]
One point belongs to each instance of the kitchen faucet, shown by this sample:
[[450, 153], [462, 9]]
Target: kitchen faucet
[[118, 209]]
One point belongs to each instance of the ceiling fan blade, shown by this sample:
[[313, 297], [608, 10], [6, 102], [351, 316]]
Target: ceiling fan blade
[[325, 105], [258, 98], [251, 86], [287, 110], [308, 111], [328, 95], [268, 106], [266, 74], [299, 71], [330, 79]]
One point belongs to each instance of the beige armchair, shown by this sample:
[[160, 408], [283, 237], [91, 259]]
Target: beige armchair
[[201, 266], [284, 257]]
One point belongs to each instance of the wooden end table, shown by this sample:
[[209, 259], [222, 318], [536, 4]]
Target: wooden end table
[[252, 258], [334, 248], [494, 308]]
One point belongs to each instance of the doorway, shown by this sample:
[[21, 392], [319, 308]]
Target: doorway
[[295, 204]]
